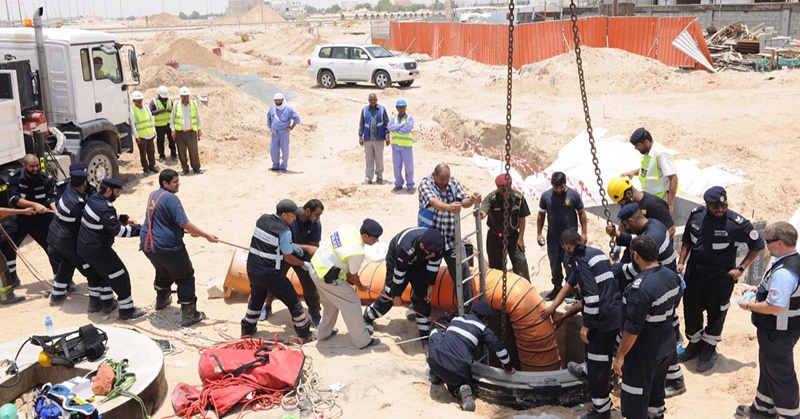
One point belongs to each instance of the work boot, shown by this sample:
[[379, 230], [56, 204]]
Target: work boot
[[691, 351], [131, 313], [750, 412], [94, 305], [13, 279], [316, 319], [163, 299], [432, 378], [372, 342], [7, 296], [304, 333], [109, 306], [369, 326], [553, 293], [593, 414], [71, 287], [190, 315], [708, 356], [248, 329], [56, 300], [674, 388], [467, 399], [578, 370]]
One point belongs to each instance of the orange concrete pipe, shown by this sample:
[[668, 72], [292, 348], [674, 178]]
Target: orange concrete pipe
[[536, 340]]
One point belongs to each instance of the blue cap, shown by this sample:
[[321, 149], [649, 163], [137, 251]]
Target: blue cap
[[400, 102], [78, 165], [372, 228], [482, 309], [80, 174], [112, 183], [628, 211], [715, 195], [640, 135]]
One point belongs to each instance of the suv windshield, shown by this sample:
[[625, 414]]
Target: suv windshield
[[379, 52]]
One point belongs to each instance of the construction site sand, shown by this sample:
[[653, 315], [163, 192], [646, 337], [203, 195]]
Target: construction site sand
[[183, 50], [258, 14], [165, 19], [278, 43]]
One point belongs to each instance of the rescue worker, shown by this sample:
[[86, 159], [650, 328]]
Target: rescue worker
[[372, 133], [7, 296], [658, 174], [161, 108], [334, 269], [563, 207], [441, 199], [161, 240], [270, 246], [493, 207], [450, 354], [414, 257], [281, 120], [99, 226], [28, 188], [185, 123], [63, 184], [601, 308], [776, 316], [710, 237], [143, 130], [648, 341], [62, 239], [401, 128], [622, 192]]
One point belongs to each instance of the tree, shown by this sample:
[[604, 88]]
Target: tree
[[311, 10], [183, 16], [195, 15], [334, 9], [384, 6], [367, 6]]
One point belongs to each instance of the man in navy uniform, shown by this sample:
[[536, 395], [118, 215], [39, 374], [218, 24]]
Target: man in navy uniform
[[710, 238]]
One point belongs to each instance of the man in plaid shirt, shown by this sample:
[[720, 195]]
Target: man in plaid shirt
[[445, 197]]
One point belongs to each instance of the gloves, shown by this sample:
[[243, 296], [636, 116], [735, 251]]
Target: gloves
[[123, 219], [306, 266]]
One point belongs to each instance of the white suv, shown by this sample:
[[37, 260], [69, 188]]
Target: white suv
[[350, 63]]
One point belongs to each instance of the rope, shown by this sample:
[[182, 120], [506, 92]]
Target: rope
[[308, 395]]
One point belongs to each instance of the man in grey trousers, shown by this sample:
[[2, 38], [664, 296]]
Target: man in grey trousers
[[373, 135]]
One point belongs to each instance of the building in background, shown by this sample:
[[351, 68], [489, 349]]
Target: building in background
[[290, 10], [238, 7]]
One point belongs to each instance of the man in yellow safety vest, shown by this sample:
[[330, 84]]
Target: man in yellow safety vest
[[161, 108], [658, 174], [185, 122], [144, 132], [400, 128]]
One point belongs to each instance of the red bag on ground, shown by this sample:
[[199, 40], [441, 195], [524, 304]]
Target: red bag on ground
[[275, 370], [184, 396]]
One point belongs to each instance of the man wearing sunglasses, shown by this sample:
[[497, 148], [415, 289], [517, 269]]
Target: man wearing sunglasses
[[710, 237]]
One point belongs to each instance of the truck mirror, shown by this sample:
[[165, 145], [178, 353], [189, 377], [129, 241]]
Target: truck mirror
[[133, 64]]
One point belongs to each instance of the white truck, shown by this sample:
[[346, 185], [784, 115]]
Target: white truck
[[64, 97]]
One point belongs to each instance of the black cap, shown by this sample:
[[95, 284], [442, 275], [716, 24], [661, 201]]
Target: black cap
[[112, 183], [715, 195], [640, 135], [78, 165], [628, 211], [432, 240], [371, 227], [79, 174], [482, 309], [287, 205]]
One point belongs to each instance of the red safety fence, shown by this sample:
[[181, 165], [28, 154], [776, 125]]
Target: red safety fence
[[533, 42]]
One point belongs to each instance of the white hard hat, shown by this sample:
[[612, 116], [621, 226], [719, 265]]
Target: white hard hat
[[137, 95], [163, 92], [185, 91]]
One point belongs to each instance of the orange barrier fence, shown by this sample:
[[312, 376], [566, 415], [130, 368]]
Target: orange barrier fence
[[533, 42]]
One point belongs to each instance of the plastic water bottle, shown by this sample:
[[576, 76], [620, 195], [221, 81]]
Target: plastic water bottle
[[748, 295], [680, 349], [48, 324]]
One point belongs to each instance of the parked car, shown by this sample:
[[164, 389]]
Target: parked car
[[350, 63]]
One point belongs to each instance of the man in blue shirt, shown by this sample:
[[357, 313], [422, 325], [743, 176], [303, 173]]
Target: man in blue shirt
[[281, 120], [161, 240], [373, 133]]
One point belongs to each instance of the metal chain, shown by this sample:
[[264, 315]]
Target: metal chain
[[507, 158], [587, 117]]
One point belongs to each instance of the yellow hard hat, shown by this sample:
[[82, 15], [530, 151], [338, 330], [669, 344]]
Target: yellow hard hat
[[617, 188]]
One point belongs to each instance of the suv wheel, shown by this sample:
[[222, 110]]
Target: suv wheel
[[326, 79], [382, 79], [406, 83]]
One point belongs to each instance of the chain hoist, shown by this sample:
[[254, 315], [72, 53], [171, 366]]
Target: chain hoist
[[507, 167]]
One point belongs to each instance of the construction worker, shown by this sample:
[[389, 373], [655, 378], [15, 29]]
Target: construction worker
[[372, 134], [401, 129], [99, 226], [648, 340], [63, 237], [161, 108], [7, 296], [710, 237], [161, 240], [414, 256], [281, 120], [493, 206], [563, 207], [441, 199], [185, 123], [601, 308], [99, 73], [776, 316], [28, 188], [143, 131], [658, 174], [450, 355], [334, 269], [622, 191], [270, 246]]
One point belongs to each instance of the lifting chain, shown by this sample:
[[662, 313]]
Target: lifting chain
[[507, 167], [587, 117]]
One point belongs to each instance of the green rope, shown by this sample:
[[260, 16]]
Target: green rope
[[123, 381]]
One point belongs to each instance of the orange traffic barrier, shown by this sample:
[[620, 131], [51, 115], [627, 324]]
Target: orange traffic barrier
[[536, 340]]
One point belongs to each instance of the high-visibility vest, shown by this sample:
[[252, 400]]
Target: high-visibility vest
[[143, 122], [179, 116], [403, 140], [650, 174], [343, 243], [162, 119]]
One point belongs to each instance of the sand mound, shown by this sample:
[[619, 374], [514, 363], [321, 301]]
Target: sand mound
[[287, 41], [165, 19], [182, 50], [163, 75], [262, 14]]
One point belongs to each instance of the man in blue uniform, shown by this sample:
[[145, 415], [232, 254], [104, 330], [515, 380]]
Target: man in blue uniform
[[563, 207], [450, 355], [414, 257], [648, 340], [281, 120], [99, 226], [63, 184], [601, 309], [271, 247], [373, 134], [776, 315], [710, 237], [161, 240], [493, 207]]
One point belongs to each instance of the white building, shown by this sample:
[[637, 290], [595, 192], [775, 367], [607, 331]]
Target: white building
[[288, 9]]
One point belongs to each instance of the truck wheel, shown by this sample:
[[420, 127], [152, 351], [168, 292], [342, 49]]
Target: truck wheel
[[406, 83], [327, 79], [101, 159], [382, 80]]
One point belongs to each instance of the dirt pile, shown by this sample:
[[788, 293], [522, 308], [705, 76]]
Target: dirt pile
[[163, 75], [165, 19], [258, 14], [286, 41], [182, 50]]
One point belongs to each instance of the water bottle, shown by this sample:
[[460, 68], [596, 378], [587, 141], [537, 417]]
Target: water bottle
[[683, 282], [680, 349], [48, 324], [748, 296]]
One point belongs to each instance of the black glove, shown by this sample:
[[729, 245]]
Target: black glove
[[123, 219]]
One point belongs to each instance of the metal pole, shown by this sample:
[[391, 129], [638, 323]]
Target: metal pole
[[60, 16], [121, 15], [21, 19], [480, 252], [8, 15], [459, 279]]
